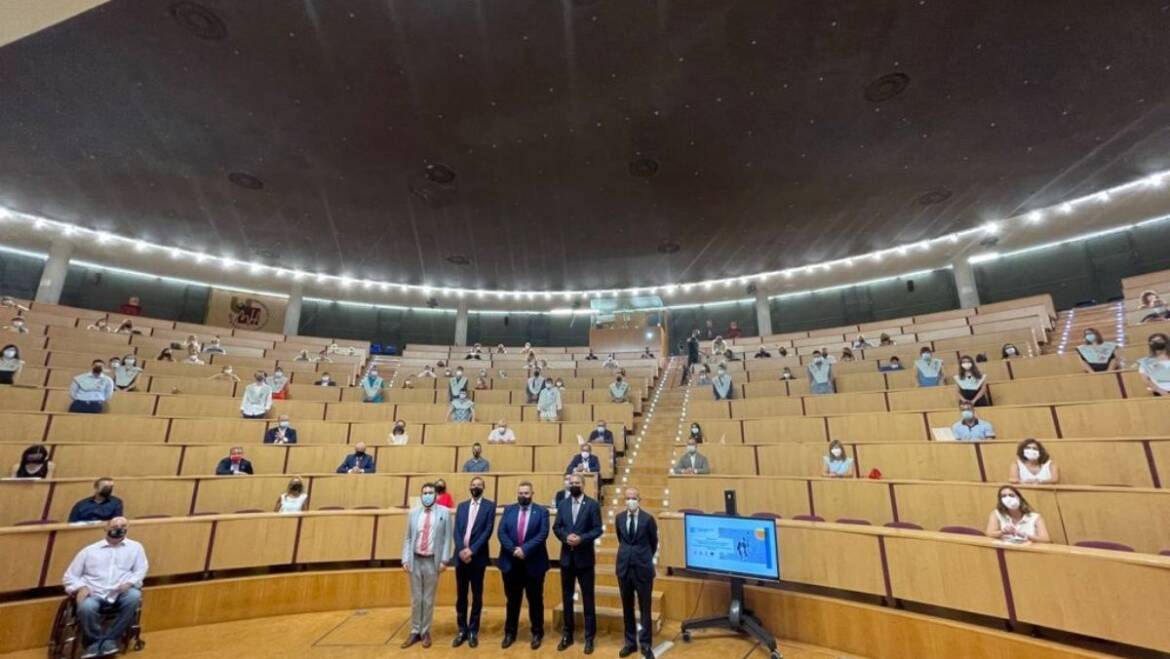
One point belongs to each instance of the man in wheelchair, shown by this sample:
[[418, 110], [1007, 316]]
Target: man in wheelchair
[[105, 579]]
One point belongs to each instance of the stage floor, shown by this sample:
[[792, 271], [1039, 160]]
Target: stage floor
[[378, 633]]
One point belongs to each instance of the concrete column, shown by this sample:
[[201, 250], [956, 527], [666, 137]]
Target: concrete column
[[292, 312], [53, 276], [965, 281], [461, 324], [763, 313]]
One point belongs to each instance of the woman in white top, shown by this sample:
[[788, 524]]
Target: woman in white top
[[1013, 520], [1096, 354], [398, 433], [971, 383], [293, 500], [257, 398], [1155, 369], [1033, 466], [126, 372], [10, 364]]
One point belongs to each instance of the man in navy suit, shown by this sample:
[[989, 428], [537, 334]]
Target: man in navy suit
[[578, 525], [523, 563], [358, 462], [474, 521], [584, 462], [637, 534]]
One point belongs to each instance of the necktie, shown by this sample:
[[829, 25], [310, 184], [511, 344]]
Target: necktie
[[576, 508], [523, 525], [424, 541], [631, 526], [472, 513]]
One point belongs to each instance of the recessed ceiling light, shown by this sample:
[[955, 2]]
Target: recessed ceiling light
[[246, 181]]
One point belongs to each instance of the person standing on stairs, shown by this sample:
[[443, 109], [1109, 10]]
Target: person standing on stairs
[[577, 526], [637, 534]]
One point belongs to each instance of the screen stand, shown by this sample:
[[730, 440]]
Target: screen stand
[[738, 619]]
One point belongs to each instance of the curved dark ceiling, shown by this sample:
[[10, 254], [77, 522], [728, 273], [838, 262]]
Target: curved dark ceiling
[[547, 144]]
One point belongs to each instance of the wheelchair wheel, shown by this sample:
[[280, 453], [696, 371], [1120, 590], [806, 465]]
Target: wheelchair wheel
[[64, 639]]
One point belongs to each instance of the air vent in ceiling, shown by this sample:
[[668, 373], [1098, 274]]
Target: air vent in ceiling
[[198, 20], [886, 87]]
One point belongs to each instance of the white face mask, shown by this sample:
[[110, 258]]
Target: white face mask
[[631, 504], [967, 365], [1032, 454], [324, 378], [130, 361], [1011, 351], [692, 448], [1090, 337], [585, 455], [284, 424], [818, 360], [9, 353], [694, 430], [836, 452], [926, 356], [115, 364], [1010, 502], [601, 430]]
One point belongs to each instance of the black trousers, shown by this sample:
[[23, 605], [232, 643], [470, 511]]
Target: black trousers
[[468, 577], [585, 577], [517, 585], [628, 587]]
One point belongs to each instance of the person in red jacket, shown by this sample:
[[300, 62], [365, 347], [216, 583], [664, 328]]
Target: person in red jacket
[[442, 496], [133, 307]]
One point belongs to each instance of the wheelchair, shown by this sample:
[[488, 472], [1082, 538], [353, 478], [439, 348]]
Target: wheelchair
[[65, 639]]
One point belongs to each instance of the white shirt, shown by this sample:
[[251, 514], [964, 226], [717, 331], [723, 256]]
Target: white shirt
[[290, 504], [102, 567], [501, 435], [257, 399], [1042, 476]]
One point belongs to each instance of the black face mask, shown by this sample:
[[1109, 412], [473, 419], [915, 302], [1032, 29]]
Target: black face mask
[[476, 492], [575, 491], [523, 501], [359, 452], [476, 452], [296, 490], [1157, 346], [115, 533], [97, 370], [106, 491], [439, 489]]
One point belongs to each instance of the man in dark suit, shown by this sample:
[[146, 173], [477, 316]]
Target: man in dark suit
[[281, 433], [637, 534], [578, 525], [358, 462], [474, 521], [235, 464], [584, 462], [523, 563]]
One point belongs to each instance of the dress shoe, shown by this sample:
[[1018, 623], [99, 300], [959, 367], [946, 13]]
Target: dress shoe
[[507, 642], [588, 646], [458, 640], [626, 651], [411, 640], [426, 640], [536, 639], [566, 641], [648, 654], [473, 641]]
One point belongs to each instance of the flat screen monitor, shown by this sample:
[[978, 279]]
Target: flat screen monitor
[[735, 546]]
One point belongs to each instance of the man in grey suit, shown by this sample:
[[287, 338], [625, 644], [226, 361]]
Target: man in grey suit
[[426, 546], [692, 462]]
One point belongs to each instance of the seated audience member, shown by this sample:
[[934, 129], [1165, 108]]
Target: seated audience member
[[481, 380], [692, 462], [721, 385], [462, 409], [704, 378], [16, 326], [257, 399], [787, 374], [475, 352], [358, 462], [895, 364], [101, 507], [477, 463], [165, 355], [7, 302], [501, 434], [1033, 466], [100, 325], [548, 403], [447, 373], [733, 331], [860, 343], [294, 497], [501, 350], [10, 364], [611, 361], [836, 463], [398, 434], [928, 369], [562, 493], [697, 432], [971, 427], [105, 579], [278, 382], [646, 354], [820, 375], [458, 383], [600, 433], [372, 386], [132, 307], [126, 327], [885, 340], [193, 357], [91, 391], [762, 353], [729, 356], [1155, 307], [34, 463], [325, 380], [782, 351], [591, 356], [1009, 351], [226, 374], [846, 355], [442, 496], [584, 462], [191, 342], [235, 464], [427, 372], [1013, 520], [215, 346], [281, 433], [408, 383], [126, 373], [971, 383], [1098, 356], [303, 356], [533, 387], [1154, 368], [718, 346]]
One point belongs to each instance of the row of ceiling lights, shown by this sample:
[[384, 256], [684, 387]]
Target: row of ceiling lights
[[228, 263]]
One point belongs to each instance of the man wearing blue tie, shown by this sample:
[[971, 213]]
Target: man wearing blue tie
[[474, 521], [523, 563], [578, 525]]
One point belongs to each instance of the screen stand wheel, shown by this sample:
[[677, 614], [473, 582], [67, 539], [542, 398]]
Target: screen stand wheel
[[738, 619]]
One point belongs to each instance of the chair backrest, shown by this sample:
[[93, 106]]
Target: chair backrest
[[1104, 544], [851, 520], [331, 508], [902, 525], [248, 510], [808, 518], [961, 530]]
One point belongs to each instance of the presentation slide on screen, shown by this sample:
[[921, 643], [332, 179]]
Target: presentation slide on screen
[[738, 545]]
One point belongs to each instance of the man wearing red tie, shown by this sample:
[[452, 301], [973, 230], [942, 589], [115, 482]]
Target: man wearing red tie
[[474, 521], [523, 563], [426, 547]]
